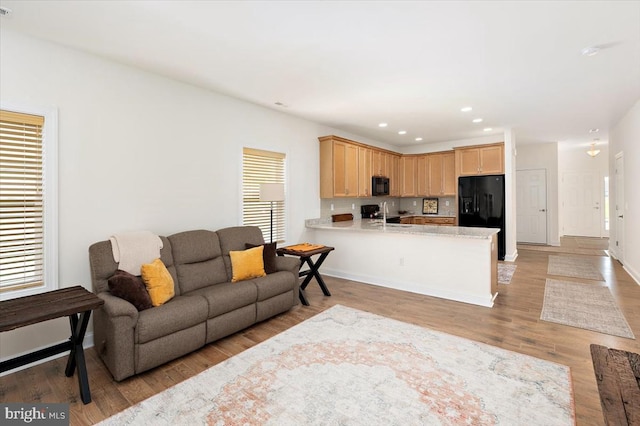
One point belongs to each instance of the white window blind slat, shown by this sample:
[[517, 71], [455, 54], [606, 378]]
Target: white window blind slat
[[21, 201], [262, 167]]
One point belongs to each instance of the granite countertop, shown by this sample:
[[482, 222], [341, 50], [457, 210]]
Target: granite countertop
[[375, 225]]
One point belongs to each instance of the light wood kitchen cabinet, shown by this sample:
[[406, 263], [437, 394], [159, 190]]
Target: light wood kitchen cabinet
[[408, 176], [338, 168], [422, 175], [393, 164], [364, 171], [442, 174], [480, 160]]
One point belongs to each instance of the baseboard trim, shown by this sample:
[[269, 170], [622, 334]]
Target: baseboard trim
[[633, 273], [88, 343]]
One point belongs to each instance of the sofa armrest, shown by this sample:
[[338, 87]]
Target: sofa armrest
[[288, 263], [114, 325], [117, 307]]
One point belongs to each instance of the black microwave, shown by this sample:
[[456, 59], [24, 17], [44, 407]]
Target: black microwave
[[379, 185]]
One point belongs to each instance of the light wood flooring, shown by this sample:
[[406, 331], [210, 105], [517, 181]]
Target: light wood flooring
[[513, 324]]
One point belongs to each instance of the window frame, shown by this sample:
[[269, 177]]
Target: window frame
[[280, 206], [50, 197]]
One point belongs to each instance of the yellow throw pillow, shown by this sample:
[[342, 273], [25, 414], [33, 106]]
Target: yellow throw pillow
[[247, 264], [158, 281]]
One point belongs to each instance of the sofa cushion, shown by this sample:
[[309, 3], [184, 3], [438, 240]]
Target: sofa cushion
[[247, 264], [130, 288], [178, 314], [226, 297], [158, 281], [268, 256], [274, 284], [198, 260]]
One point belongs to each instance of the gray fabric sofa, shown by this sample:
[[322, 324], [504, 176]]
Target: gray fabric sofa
[[207, 305]]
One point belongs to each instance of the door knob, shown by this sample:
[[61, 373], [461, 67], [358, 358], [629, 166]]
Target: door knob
[[543, 210], [621, 216]]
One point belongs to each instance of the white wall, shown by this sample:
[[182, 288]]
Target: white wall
[[575, 159], [544, 156], [140, 151], [625, 138]]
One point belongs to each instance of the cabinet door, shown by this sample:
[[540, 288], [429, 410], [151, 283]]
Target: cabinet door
[[422, 175], [469, 160], [417, 220], [394, 175], [492, 160], [345, 170], [449, 184], [435, 174], [406, 220], [364, 172], [377, 162], [408, 177]]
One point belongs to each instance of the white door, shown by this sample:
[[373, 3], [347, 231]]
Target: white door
[[531, 206], [581, 203], [618, 211]]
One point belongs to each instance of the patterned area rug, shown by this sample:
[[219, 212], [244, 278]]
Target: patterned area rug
[[574, 266], [588, 306], [350, 367], [505, 272]]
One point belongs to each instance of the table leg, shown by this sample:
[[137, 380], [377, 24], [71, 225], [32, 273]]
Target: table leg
[[314, 271], [76, 359]]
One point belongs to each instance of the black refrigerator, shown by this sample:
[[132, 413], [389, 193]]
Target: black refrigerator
[[481, 204]]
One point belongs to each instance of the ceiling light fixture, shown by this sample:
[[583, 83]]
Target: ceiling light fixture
[[418, 139], [477, 120], [593, 152], [487, 129], [595, 130], [590, 51], [402, 132], [382, 124], [466, 109], [4, 11]]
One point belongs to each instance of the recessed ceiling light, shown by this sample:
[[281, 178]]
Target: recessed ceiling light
[[418, 139], [595, 130], [402, 132], [477, 120], [382, 124], [4, 11], [590, 51], [466, 109], [487, 129]]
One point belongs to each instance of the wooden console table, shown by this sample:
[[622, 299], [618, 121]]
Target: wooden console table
[[314, 267], [74, 302]]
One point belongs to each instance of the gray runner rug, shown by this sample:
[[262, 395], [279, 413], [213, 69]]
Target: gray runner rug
[[588, 306], [505, 272], [574, 266]]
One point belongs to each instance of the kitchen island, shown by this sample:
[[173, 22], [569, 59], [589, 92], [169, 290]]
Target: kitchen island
[[450, 262]]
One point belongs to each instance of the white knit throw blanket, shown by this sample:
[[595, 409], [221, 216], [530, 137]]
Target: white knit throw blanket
[[131, 250]]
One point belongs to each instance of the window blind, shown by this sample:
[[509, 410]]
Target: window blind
[[262, 167], [21, 201]]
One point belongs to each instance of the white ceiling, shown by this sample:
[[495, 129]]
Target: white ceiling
[[353, 64]]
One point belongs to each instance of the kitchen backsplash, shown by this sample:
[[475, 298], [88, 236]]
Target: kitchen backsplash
[[410, 205]]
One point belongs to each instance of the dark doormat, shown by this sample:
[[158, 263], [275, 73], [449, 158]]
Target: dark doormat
[[618, 377]]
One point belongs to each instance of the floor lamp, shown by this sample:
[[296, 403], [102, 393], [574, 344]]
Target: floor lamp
[[272, 192]]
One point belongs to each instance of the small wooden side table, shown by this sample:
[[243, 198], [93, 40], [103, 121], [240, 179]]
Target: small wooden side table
[[74, 302], [314, 267]]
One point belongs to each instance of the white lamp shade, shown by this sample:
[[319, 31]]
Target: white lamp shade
[[271, 191]]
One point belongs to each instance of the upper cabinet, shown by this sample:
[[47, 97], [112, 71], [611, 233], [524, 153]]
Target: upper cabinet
[[346, 168], [442, 174], [342, 179], [480, 160], [364, 171], [408, 176]]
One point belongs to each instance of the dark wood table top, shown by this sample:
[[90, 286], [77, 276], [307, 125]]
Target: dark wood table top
[[307, 253], [28, 310]]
